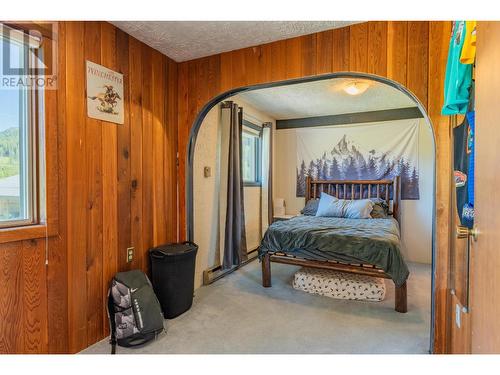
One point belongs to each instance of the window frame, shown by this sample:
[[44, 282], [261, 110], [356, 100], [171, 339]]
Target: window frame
[[42, 153], [28, 149], [258, 153]]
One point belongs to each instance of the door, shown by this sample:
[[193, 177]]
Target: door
[[485, 251]]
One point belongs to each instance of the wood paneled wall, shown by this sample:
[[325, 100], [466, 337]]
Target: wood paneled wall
[[117, 189], [23, 304], [120, 185], [411, 53]]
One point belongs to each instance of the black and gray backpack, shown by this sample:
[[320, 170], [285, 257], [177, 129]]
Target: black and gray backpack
[[135, 315]]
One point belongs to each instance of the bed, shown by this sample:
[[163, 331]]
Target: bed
[[370, 247]]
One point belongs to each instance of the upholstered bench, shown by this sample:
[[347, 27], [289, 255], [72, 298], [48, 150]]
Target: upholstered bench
[[340, 285]]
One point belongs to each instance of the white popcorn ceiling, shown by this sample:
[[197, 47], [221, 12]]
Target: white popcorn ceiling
[[187, 40], [323, 98]]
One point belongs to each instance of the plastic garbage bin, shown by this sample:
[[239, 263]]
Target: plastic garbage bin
[[172, 276]]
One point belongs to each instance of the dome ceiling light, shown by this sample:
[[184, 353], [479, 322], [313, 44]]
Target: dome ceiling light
[[356, 87]]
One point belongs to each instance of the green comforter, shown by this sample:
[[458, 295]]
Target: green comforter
[[366, 241]]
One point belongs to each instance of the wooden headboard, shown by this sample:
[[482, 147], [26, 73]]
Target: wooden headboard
[[359, 189]]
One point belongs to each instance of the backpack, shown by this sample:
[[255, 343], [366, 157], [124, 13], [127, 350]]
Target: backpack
[[135, 315]]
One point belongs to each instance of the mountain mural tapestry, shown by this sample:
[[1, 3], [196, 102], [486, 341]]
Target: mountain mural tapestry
[[372, 151]]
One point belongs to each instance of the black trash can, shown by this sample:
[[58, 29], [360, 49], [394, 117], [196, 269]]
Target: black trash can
[[172, 276]]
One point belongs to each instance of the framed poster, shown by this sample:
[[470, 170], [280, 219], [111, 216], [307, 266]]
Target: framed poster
[[104, 93]]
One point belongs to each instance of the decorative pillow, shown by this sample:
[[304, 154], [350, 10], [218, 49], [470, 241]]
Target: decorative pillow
[[358, 209], [380, 209], [352, 209], [311, 207], [329, 206]]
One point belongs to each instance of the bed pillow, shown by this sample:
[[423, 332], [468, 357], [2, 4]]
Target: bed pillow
[[380, 209], [330, 206], [358, 209], [311, 207]]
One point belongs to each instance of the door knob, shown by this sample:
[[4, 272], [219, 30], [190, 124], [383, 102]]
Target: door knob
[[464, 232]]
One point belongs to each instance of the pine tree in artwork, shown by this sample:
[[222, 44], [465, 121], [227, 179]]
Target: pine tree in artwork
[[383, 168], [334, 170], [405, 173], [351, 172], [301, 179], [319, 168], [413, 191], [361, 166], [324, 171], [312, 169], [303, 170], [391, 170], [371, 169]]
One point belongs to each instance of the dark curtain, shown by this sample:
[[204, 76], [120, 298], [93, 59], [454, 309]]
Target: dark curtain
[[235, 244]]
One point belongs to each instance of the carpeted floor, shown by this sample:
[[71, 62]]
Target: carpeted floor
[[237, 315]]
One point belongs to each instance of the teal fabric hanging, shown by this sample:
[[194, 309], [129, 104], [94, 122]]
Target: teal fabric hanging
[[458, 77]]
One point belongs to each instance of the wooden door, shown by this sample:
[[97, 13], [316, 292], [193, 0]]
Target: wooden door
[[485, 266]]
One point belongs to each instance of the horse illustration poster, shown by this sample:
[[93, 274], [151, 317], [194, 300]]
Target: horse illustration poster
[[104, 93], [371, 151]]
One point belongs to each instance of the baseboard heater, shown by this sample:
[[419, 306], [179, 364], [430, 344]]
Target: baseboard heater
[[215, 273]]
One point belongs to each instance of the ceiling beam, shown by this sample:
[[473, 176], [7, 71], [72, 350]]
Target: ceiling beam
[[351, 118]]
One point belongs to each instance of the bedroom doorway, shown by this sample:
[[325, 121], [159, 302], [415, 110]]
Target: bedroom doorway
[[368, 108]]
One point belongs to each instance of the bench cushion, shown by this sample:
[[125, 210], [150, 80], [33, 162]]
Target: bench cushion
[[339, 285]]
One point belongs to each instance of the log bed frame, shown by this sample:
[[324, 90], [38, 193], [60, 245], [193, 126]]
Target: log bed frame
[[346, 189]]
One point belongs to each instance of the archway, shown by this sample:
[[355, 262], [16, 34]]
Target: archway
[[202, 114]]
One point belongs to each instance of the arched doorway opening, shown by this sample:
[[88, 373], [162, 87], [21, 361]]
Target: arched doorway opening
[[194, 132]]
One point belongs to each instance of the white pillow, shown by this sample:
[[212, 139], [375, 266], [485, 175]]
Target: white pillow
[[330, 206], [358, 209]]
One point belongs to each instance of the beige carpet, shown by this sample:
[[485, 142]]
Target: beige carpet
[[237, 315]]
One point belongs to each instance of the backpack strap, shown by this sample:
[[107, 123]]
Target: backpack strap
[[112, 323]]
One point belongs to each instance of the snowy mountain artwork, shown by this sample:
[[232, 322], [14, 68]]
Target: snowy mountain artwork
[[371, 151]]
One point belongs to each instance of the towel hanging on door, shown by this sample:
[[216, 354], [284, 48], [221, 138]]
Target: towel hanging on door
[[458, 77]]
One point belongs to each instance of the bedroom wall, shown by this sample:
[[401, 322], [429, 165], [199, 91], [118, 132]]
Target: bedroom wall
[[412, 53], [416, 225], [207, 197]]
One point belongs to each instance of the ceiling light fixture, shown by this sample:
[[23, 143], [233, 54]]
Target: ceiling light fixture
[[356, 88]]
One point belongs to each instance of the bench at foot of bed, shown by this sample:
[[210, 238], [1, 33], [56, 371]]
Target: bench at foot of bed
[[400, 302]]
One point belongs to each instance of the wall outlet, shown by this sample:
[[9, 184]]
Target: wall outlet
[[130, 254]]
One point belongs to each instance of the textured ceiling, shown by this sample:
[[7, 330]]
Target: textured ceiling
[[187, 40], [323, 98]]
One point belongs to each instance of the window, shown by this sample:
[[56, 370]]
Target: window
[[17, 140], [251, 154]]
